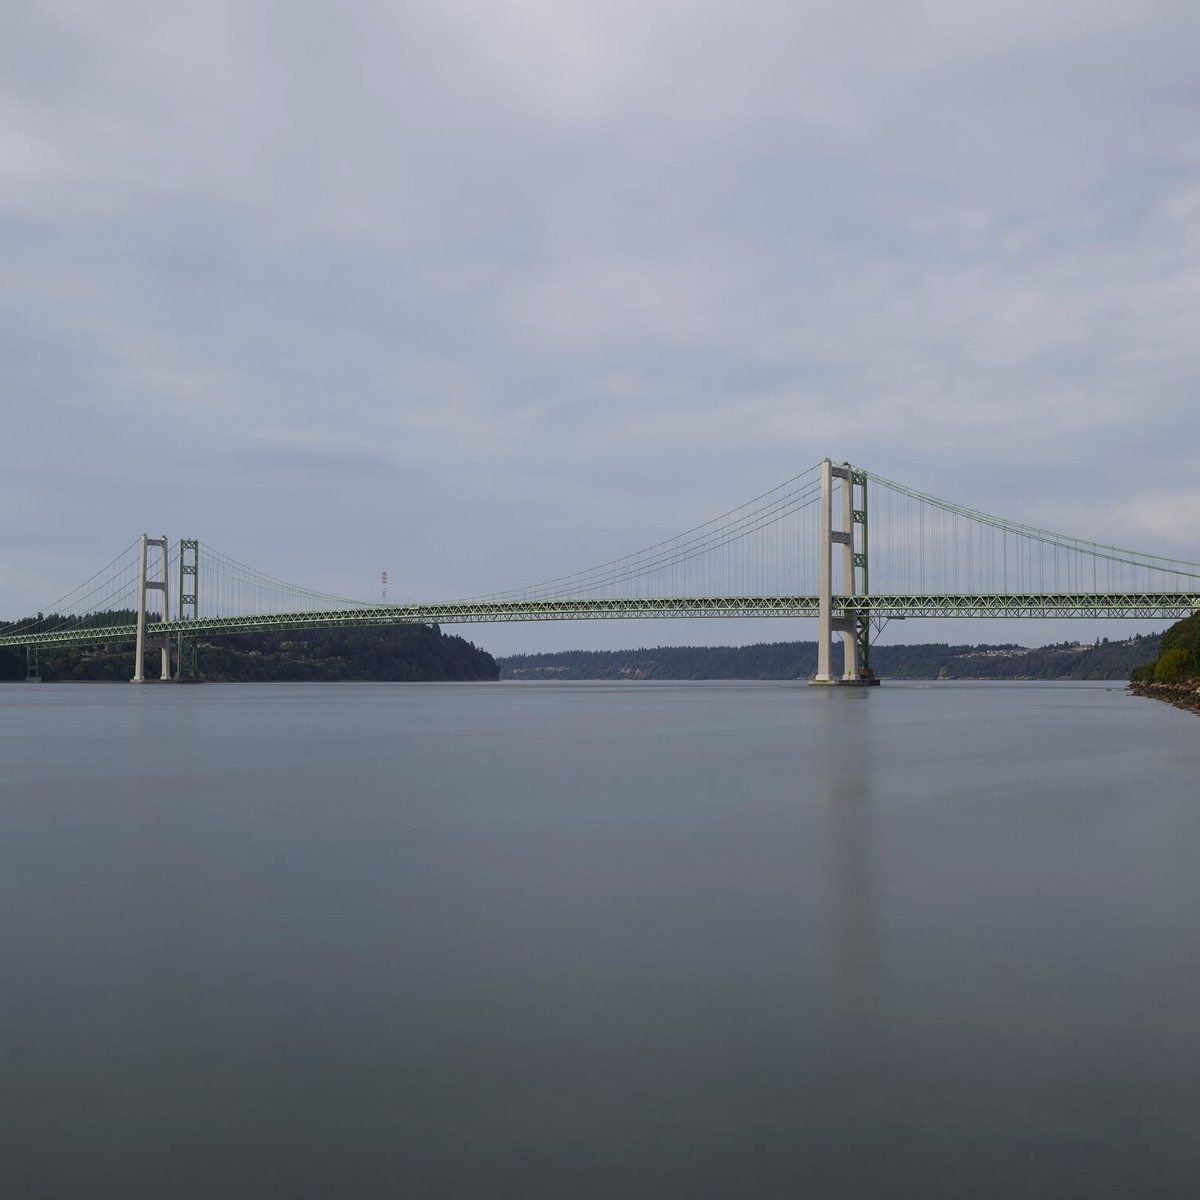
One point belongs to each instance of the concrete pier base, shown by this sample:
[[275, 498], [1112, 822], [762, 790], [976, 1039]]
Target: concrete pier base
[[861, 681]]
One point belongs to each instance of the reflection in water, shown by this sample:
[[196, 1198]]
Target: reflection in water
[[849, 860], [679, 940]]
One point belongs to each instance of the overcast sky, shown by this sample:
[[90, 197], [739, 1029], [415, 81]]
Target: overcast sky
[[486, 292]]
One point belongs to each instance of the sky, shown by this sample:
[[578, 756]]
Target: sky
[[482, 293]]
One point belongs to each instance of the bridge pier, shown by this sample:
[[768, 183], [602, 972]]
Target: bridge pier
[[855, 628]]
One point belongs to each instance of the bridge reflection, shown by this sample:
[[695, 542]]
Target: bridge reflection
[[851, 923]]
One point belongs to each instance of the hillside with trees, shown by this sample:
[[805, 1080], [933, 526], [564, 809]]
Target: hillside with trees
[[1174, 675], [1103, 659], [382, 653], [1178, 655]]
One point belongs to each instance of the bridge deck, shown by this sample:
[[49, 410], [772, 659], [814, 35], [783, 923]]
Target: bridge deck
[[1127, 605]]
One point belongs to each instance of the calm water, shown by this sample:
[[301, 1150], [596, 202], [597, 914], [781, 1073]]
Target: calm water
[[589, 940]]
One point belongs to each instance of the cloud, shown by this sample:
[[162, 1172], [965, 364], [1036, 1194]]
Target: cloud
[[490, 273]]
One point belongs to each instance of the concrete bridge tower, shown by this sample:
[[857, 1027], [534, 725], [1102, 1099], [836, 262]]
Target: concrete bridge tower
[[854, 627], [146, 584]]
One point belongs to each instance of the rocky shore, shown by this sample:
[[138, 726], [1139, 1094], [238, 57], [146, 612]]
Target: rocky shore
[[1185, 694]]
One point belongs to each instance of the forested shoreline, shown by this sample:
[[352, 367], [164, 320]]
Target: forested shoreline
[[424, 653], [1174, 676], [383, 653], [1103, 659]]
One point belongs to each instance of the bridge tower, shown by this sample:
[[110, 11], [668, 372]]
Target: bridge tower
[[186, 657], [854, 627], [146, 584]]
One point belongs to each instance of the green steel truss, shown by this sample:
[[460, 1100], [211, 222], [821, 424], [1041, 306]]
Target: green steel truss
[[1134, 605]]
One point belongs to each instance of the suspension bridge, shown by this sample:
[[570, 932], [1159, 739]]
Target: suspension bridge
[[836, 542]]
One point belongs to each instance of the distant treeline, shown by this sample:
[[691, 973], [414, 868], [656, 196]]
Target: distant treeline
[[405, 653], [1103, 659]]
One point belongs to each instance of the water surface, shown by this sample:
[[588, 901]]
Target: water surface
[[598, 940]]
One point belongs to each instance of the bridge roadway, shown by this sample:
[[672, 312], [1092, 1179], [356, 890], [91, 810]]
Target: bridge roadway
[[1130, 605]]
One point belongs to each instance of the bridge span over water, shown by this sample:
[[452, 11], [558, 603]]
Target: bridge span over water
[[835, 543]]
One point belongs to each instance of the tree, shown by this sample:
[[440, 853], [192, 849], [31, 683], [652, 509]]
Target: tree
[[1172, 665]]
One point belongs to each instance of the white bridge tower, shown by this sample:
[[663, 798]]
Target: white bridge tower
[[146, 584], [855, 627]]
